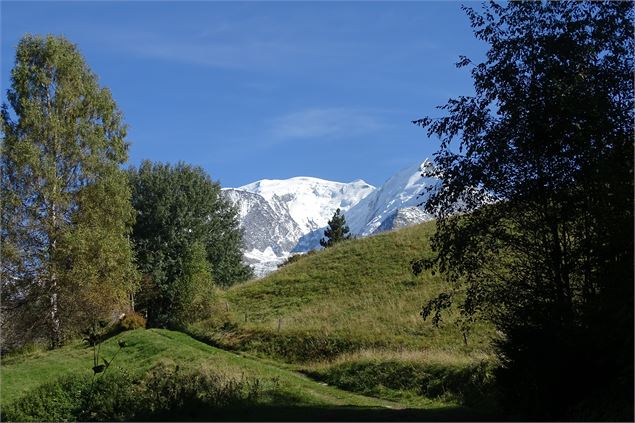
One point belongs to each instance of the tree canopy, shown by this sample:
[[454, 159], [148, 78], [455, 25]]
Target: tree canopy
[[186, 237], [66, 212], [535, 208]]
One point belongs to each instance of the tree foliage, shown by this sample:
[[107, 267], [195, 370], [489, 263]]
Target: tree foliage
[[187, 238], [66, 212], [336, 231], [546, 143]]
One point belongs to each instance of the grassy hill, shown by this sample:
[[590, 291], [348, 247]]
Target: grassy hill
[[335, 335], [349, 316], [357, 294], [280, 394]]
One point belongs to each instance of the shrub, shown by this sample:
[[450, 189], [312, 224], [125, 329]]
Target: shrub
[[293, 346], [165, 391], [132, 320], [59, 400], [110, 397], [471, 384], [168, 390]]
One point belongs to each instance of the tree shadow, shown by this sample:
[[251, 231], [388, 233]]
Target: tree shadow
[[326, 413]]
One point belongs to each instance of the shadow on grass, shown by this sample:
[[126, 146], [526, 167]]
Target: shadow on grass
[[330, 413]]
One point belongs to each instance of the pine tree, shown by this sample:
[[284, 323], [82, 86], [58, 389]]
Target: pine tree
[[66, 211], [336, 231]]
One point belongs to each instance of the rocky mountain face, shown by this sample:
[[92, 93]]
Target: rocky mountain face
[[311, 201], [267, 224], [402, 218], [281, 217], [276, 214]]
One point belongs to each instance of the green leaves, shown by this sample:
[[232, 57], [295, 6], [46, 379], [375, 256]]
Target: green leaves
[[187, 238], [547, 137], [99, 368], [68, 213]]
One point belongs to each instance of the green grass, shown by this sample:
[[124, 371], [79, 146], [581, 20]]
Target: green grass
[[357, 294], [409, 375], [349, 316], [335, 335], [146, 348], [290, 395]]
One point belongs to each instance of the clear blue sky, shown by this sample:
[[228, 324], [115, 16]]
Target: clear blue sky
[[267, 90]]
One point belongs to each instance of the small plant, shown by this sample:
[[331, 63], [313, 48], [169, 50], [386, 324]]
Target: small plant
[[94, 336], [130, 321]]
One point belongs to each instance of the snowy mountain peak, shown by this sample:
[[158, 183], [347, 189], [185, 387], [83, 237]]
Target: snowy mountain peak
[[281, 216], [311, 201], [406, 188], [427, 167]]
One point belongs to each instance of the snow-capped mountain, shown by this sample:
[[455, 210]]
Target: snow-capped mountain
[[275, 214], [403, 190], [280, 217], [267, 224], [311, 201], [402, 218]]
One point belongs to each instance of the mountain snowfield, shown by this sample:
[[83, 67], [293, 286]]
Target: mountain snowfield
[[406, 189], [311, 201], [284, 216]]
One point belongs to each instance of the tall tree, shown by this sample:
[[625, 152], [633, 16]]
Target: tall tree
[[336, 231], [179, 211], [547, 142], [66, 211]]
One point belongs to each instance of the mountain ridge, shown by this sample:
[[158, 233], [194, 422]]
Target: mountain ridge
[[281, 217]]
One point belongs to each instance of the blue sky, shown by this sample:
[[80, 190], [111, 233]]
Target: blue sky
[[267, 90]]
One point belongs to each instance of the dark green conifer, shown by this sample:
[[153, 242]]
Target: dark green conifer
[[336, 231]]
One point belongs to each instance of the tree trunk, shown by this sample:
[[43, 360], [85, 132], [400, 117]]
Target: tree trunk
[[56, 335]]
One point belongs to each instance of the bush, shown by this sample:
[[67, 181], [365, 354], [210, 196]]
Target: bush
[[471, 385], [59, 400], [99, 333], [168, 390], [298, 347], [132, 320], [290, 346], [165, 391], [111, 397]]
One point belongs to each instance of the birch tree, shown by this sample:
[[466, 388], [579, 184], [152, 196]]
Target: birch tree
[[66, 211]]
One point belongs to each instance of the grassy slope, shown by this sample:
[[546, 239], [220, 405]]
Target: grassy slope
[[349, 314], [145, 348], [361, 291]]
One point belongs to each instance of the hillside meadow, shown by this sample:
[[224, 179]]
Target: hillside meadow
[[162, 374], [349, 315], [357, 294], [337, 332]]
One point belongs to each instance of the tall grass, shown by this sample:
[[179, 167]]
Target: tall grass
[[467, 379], [357, 294], [166, 390]]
